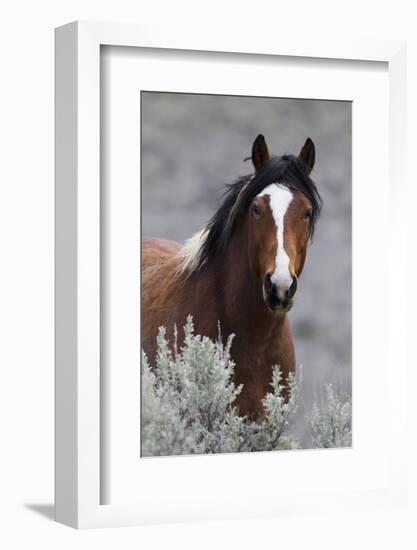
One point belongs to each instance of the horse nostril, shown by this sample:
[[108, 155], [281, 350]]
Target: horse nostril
[[293, 288], [268, 282]]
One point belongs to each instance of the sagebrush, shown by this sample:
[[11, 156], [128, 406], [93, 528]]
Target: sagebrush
[[188, 404]]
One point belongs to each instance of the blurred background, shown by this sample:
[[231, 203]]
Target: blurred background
[[193, 144]]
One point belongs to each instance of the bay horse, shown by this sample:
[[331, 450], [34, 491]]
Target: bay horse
[[240, 271]]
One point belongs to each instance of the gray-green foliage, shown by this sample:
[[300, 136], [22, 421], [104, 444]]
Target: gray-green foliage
[[330, 421], [188, 402]]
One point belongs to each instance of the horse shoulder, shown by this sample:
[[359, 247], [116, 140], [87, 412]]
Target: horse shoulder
[[159, 289]]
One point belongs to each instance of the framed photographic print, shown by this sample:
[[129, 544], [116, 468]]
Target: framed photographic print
[[220, 333]]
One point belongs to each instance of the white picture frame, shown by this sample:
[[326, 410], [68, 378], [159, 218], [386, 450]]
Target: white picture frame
[[77, 423]]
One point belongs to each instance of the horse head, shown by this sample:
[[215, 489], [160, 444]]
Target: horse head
[[280, 220]]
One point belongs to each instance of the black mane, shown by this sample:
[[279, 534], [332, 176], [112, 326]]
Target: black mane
[[287, 170]]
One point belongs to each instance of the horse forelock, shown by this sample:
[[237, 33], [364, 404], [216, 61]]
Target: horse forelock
[[287, 170]]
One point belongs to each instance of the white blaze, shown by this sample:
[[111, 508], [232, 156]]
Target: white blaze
[[280, 198]]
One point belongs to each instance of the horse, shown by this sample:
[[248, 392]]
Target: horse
[[240, 271]]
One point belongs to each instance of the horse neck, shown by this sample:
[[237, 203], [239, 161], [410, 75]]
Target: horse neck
[[239, 294]]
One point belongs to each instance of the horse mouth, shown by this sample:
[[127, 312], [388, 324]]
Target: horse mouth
[[276, 305], [281, 309]]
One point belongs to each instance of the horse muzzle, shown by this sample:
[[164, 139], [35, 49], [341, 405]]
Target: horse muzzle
[[278, 298]]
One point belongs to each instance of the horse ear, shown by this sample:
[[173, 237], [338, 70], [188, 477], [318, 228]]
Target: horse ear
[[260, 153], [308, 154]]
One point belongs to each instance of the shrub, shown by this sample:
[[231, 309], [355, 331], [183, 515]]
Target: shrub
[[330, 423], [188, 403]]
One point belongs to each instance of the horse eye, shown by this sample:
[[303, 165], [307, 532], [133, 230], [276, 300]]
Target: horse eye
[[256, 209], [307, 215]]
